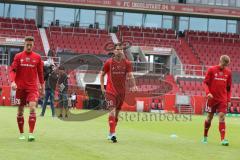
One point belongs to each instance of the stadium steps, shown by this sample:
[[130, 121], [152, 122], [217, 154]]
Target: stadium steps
[[170, 80], [114, 38], [185, 110], [44, 39], [190, 52]]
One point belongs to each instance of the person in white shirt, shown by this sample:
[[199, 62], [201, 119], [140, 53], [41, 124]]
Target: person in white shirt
[[73, 100]]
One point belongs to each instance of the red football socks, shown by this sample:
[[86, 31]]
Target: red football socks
[[112, 124], [20, 121], [207, 125], [31, 122], [222, 128]]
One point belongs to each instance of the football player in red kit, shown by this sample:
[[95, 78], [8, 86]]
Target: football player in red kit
[[26, 69], [118, 70], [218, 83]]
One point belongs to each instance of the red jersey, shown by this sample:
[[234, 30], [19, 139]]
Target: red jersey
[[218, 82], [25, 70], [117, 73]]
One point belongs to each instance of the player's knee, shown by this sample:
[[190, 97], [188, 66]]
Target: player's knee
[[20, 110], [112, 112], [20, 114], [209, 118], [221, 117], [32, 109]]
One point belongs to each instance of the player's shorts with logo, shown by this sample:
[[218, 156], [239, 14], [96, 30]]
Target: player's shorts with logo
[[216, 106], [114, 100], [26, 95]]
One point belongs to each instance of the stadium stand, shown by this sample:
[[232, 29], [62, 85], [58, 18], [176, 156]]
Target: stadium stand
[[208, 46], [4, 75], [79, 40], [158, 37], [19, 28], [191, 86]]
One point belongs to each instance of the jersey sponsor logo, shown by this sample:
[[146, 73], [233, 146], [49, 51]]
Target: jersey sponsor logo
[[28, 65], [118, 69], [27, 59], [21, 60], [220, 79]]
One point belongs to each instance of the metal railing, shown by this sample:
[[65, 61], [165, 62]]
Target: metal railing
[[190, 70], [153, 68], [3, 59]]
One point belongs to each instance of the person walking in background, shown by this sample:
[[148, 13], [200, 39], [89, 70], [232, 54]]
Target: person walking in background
[[62, 84]]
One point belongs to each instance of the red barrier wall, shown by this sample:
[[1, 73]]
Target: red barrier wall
[[199, 103], [6, 92], [80, 100], [169, 102]]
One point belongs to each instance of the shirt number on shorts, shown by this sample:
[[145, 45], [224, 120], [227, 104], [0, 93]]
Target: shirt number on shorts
[[110, 103], [17, 101]]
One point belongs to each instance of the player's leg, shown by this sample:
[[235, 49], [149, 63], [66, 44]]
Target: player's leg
[[207, 125], [120, 100], [32, 98], [210, 109], [117, 115], [112, 124], [21, 97], [222, 129], [47, 95], [20, 121], [111, 106], [32, 120], [222, 110]]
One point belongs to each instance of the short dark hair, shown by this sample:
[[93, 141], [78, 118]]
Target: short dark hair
[[61, 68], [29, 38], [119, 44]]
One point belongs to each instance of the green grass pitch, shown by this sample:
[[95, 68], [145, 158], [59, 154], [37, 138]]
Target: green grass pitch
[[139, 140]]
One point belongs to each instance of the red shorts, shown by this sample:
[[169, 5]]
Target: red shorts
[[214, 107], [115, 100], [25, 96]]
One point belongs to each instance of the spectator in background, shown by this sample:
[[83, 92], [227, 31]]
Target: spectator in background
[[73, 100], [50, 77], [50, 86], [63, 88]]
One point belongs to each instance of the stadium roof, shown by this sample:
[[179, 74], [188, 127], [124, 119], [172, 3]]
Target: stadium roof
[[149, 6]]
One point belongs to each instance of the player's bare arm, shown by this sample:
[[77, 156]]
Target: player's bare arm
[[102, 74], [133, 82]]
